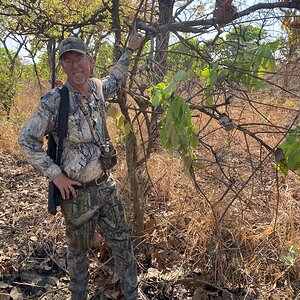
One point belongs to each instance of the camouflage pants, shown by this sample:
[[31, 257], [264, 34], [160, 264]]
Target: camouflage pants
[[100, 206]]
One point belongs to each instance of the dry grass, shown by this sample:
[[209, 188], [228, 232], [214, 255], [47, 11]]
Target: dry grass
[[24, 104], [245, 240]]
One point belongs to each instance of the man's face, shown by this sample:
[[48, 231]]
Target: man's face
[[77, 67]]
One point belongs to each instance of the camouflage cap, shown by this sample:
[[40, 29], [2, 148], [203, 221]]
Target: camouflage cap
[[72, 44]]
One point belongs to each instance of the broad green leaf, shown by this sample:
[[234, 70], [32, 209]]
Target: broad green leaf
[[274, 45], [213, 73], [271, 64], [169, 90], [194, 142], [288, 142], [177, 109], [293, 160], [156, 99], [174, 138], [291, 148], [181, 75]]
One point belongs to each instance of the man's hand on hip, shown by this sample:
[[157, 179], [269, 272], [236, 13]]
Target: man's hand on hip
[[65, 186]]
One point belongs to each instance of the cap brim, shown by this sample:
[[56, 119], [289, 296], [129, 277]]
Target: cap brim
[[74, 50]]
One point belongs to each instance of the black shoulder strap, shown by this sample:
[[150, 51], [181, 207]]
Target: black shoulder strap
[[63, 115]]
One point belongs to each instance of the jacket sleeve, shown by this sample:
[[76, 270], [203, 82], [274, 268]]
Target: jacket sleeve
[[117, 75], [31, 137]]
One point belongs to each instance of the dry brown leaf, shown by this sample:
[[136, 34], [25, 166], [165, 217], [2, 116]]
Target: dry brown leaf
[[159, 258], [150, 225], [16, 294], [97, 240], [104, 251], [33, 238], [153, 273]]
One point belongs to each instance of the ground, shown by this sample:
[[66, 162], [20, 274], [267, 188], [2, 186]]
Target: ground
[[33, 247], [33, 251]]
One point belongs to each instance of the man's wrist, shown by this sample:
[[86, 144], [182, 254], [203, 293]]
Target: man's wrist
[[129, 49]]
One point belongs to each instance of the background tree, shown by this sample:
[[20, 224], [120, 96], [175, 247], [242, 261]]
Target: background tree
[[206, 90]]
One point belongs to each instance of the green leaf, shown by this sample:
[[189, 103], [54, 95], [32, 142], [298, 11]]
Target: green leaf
[[293, 160], [120, 121], [258, 57], [209, 100], [127, 128], [177, 109], [169, 90], [187, 162], [271, 65], [156, 99], [290, 139], [274, 45], [160, 86], [174, 138], [214, 73], [205, 73], [181, 75], [291, 148], [282, 167], [194, 142], [113, 111]]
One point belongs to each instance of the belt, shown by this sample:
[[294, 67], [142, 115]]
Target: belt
[[92, 184]]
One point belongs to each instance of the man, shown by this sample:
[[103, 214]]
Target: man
[[89, 196]]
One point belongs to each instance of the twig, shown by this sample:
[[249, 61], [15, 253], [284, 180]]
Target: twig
[[200, 282], [102, 265], [4, 294], [56, 262], [27, 284], [52, 291]]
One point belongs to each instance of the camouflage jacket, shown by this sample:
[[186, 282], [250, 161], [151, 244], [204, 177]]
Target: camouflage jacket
[[80, 157]]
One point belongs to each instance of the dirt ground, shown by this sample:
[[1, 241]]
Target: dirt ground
[[32, 249], [33, 246]]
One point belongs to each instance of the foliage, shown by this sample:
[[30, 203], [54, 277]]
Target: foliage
[[242, 58], [291, 258], [291, 25], [177, 130], [40, 21], [104, 61], [44, 18], [8, 82], [122, 126], [291, 150], [182, 57]]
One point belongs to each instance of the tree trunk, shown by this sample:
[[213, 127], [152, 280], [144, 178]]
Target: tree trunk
[[131, 142], [161, 56], [162, 40]]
